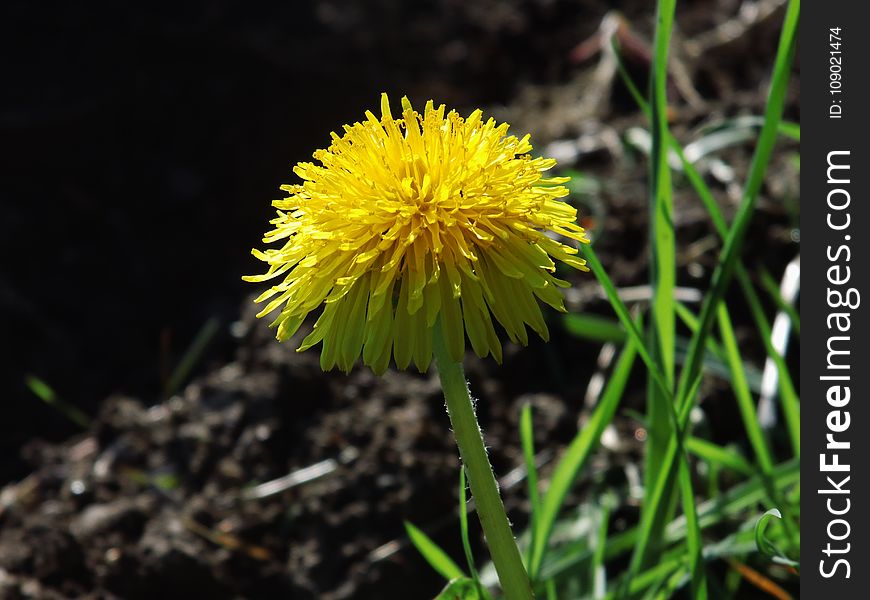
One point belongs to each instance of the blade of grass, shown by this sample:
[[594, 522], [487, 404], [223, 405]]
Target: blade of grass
[[694, 543], [749, 415], [434, 555], [742, 393], [691, 321], [656, 574], [733, 243], [459, 589], [791, 130], [662, 260], [714, 362], [577, 453], [717, 454], [599, 573], [790, 400], [45, 393], [663, 248], [772, 288], [463, 531], [192, 356], [765, 546], [788, 394], [593, 327], [622, 313], [676, 422], [527, 441]]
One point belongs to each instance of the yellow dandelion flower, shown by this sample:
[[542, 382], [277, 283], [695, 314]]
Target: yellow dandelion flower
[[407, 220]]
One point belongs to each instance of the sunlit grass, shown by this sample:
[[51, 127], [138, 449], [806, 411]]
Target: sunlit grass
[[572, 552]]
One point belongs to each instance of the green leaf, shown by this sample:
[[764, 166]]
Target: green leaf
[[593, 327], [463, 531], [598, 541], [434, 555], [765, 546]]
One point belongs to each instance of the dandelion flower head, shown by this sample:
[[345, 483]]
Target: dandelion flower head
[[408, 220]]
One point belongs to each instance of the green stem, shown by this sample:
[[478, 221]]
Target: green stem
[[484, 488]]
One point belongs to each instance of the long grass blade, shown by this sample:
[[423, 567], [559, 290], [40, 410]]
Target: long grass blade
[[527, 441], [725, 268], [624, 316], [789, 396], [717, 454], [662, 260], [463, 531], [46, 393], [434, 555], [578, 452]]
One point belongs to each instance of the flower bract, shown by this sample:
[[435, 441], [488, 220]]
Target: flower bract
[[404, 221]]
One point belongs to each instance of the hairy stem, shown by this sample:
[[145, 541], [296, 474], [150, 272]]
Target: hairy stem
[[484, 488]]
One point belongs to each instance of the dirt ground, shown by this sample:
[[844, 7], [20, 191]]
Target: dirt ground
[[147, 148]]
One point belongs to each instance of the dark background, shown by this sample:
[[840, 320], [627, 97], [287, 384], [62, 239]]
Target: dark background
[[142, 145]]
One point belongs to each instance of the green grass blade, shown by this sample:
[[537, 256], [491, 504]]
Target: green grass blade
[[662, 331], [599, 574], [652, 576], [624, 317], [577, 453], [757, 171], [434, 555], [714, 453], [790, 400], [663, 246], [527, 441], [788, 394], [192, 356], [741, 391], [765, 546], [649, 537], [790, 130], [691, 321], [693, 539], [749, 414], [772, 288], [676, 423], [594, 327], [44, 392], [730, 252], [463, 532], [460, 588], [694, 542]]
